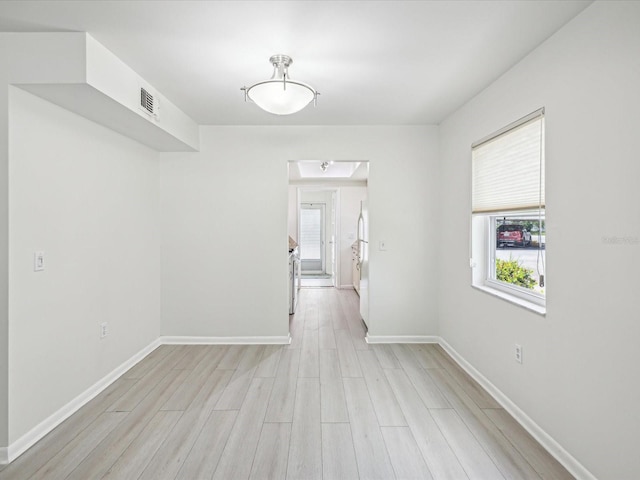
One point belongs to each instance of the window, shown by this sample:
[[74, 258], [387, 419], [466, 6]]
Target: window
[[508, 244]]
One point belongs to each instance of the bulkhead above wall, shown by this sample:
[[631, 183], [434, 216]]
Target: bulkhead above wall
[[76, 72]]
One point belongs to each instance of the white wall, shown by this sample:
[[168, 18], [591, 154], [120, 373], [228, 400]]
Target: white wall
[[292, 213], [224, 227], [579, 379], [87, 197], [4, 250], [21, 58]]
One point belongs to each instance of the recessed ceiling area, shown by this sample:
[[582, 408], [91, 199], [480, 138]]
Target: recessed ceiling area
[[373, 62], [328, 171]]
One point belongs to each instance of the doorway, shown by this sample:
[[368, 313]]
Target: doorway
[[336, 188]]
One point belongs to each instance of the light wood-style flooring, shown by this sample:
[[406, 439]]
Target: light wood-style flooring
[[327, 406]]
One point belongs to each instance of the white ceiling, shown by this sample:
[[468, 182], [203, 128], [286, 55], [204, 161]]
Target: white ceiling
[[374, 62]]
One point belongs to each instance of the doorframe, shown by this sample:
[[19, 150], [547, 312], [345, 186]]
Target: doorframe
[[336, 240], [323, 233]]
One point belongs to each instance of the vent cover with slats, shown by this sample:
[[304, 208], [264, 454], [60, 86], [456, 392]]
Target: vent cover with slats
[[147, 102]]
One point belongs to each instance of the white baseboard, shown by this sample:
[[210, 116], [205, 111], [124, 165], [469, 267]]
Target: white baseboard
[[401, 339], [266, 340], [18, 447], [554, 448]]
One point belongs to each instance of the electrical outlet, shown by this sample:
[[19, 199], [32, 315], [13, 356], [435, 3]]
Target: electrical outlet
[[104, 329], [518, 352]]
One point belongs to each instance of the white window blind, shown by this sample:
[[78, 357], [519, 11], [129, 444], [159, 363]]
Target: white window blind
[[310, 233], [508, 168]]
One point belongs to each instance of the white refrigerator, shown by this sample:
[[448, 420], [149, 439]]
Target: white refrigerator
[[363, 259]]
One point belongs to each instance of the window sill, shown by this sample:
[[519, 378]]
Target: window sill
[[533, 307]]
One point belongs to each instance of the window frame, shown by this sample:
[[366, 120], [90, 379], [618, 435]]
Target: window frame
[[490, 280]]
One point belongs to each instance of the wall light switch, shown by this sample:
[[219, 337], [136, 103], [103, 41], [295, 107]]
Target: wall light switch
[[382, 245], [38, 261]]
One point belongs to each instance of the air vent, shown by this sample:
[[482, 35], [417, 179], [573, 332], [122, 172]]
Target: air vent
[[148, 103]]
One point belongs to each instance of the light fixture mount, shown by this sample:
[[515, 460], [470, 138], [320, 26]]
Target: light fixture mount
[[280, 95], [285, 60]]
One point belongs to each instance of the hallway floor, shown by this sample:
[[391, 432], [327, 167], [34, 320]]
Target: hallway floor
[[327, 406], [316, 280]]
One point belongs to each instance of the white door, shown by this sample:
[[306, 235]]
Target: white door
[[312, 251]]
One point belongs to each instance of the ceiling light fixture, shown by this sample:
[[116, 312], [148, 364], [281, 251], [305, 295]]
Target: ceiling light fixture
[[324, 166], [280, 95]]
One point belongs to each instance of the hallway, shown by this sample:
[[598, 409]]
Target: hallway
[[326, 406]]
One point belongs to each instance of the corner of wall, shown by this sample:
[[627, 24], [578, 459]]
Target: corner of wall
[[4, 250]]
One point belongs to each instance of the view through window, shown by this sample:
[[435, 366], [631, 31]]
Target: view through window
[[519, 252]]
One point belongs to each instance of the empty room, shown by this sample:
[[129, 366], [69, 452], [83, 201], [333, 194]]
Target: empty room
[[308, 240]]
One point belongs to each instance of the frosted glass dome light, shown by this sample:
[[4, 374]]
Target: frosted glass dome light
[[280, 95]]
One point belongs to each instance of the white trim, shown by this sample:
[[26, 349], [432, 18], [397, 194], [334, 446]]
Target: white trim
[[337, 245], [482, 261], [521, 302], [401, 339], [322, 206], [512, 126], [543, 438], [17, 448], [177, 340], [511, 291]]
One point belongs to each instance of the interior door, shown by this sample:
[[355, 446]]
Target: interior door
[[311, 244]]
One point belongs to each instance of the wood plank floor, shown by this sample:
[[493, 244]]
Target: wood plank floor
[[327, 406]]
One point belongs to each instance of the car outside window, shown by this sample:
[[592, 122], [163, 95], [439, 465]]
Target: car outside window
[[518, 259]]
